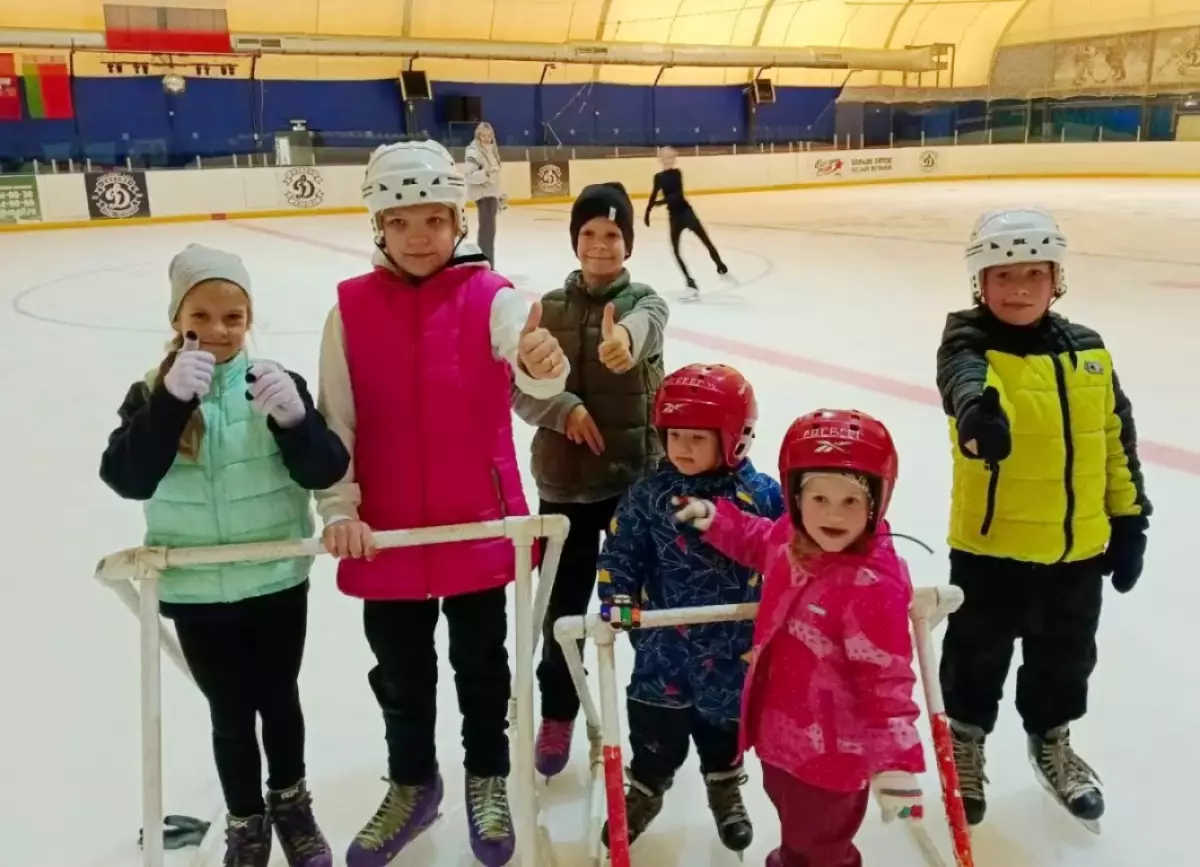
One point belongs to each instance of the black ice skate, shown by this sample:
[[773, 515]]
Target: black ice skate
[[642, 806], [729, 812], [969, 760], [247, 842], [1067, 777]]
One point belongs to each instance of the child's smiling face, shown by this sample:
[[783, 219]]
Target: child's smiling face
[[834, 510]]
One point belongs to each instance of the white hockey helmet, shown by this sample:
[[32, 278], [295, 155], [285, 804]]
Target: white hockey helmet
[[1012, 237], [413, 173]]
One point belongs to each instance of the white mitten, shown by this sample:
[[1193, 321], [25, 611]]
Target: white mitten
[[699, 513], [273, 392], [899, 795], [191, 373]]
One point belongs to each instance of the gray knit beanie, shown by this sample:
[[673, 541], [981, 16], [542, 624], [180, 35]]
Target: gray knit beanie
[[198, 263]]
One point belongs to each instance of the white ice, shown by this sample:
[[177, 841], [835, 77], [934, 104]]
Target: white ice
[[842, 299]]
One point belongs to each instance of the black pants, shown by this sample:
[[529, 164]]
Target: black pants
[[686, 219], [1054, 610], [573, 588], [245, 657], [401, 635], [658, 737]]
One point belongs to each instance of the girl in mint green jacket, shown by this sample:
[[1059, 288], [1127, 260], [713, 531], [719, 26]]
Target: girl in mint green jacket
[[222, 450]]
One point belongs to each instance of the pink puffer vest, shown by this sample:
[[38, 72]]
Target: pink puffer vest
[[433, 443]]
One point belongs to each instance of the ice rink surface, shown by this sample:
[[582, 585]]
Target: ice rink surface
[[841, 301]]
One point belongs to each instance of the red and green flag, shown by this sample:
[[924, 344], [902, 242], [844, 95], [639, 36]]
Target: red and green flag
[[10, 90], [48, 88]]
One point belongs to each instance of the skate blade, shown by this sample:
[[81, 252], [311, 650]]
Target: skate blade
[[1092, 825]]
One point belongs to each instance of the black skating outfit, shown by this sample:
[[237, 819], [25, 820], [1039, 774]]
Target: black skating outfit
[[669, 183]]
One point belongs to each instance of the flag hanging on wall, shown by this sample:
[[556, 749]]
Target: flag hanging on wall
[[10, 91], [48, 88], [167, 26]]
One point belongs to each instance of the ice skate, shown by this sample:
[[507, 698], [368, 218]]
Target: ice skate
[[969, 760], [247, 842], [642, 806], [553, 748], [1067, 777], [728, 809], [491, 826], [302, 842], [405, 813], [693, 291]]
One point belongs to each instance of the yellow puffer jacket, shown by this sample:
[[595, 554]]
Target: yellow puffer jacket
[[1074, 462]]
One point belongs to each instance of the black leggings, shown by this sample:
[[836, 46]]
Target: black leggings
[[245, 657], [687, 220]]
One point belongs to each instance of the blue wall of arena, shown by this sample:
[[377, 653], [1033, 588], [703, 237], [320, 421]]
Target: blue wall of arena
[[119, 118]]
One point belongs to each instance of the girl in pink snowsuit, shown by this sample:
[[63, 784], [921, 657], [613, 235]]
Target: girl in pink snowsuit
[[828, 700]]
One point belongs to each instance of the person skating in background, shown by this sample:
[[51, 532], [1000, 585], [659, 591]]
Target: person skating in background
[[417, 359], [483, 186], [828, 702], [1048, 498], [596, 438], [224, 449], [687, 683], [669, 184]]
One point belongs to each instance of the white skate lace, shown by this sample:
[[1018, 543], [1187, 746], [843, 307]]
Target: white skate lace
[[1068, 773], [725, 797], [968, 759], [489, 807], [393, 814]]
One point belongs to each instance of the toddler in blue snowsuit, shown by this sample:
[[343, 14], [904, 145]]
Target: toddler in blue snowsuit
[[687, 682]]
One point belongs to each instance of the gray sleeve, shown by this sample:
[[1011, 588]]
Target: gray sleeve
[[548, 412], [646, 323]]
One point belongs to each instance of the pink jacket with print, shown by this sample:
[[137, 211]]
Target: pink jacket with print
[[829, 694]]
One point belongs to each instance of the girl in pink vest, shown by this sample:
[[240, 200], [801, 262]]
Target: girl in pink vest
[[828, 700], [417, 361]]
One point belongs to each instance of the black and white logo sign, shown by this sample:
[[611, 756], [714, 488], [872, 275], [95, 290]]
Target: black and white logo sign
[[928, 161], [116, 195], [302, 187]]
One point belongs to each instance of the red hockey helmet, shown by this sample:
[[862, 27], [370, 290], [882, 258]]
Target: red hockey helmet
[[843, 441], [709, 397]]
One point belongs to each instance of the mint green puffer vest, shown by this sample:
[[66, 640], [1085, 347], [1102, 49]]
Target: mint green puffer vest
[[238, 490]]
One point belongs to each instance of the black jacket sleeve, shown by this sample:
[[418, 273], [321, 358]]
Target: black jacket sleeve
[[654, 194], [961, 361], [141, 450], [314, 455]]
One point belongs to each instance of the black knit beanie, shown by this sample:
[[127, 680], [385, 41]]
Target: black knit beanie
[[608, 200]]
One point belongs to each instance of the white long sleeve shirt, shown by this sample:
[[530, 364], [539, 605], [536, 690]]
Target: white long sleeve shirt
[[509, 312]]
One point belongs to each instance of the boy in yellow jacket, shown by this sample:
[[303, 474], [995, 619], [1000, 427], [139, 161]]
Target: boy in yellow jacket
[[1047, 500]]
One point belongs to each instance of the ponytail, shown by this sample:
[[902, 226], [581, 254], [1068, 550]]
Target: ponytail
[[193, 433]]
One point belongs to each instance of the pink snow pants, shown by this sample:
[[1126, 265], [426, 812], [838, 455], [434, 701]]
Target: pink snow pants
[[818, 825]]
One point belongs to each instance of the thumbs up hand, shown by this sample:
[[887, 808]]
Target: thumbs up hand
[[191, 373], [538, 350], [616, 347]]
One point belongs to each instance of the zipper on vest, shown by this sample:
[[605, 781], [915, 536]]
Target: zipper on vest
[[499, 492], [1060, 376], [989, 513]]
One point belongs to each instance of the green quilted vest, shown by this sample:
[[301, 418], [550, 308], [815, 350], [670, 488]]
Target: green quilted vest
[[620, 403], [238, 490]]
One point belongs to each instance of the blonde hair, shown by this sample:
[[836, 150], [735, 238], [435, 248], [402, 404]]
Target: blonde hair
[[193, 433]]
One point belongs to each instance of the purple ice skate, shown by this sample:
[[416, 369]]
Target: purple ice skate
[[492, 838], [553, 747], [302, 841], [406, 811]]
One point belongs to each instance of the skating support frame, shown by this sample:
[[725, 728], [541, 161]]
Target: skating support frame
[[134, 574], [607, 795]]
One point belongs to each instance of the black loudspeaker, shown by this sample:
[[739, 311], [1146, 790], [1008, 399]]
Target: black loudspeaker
[[463, 109]]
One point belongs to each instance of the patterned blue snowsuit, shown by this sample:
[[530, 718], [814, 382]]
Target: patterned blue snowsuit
[[661, 564]]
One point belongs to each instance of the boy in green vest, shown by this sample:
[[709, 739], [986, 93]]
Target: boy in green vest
[[223, 450], [597, 437]]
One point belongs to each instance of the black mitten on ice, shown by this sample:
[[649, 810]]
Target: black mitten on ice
[[983, 430], [1126, 552]]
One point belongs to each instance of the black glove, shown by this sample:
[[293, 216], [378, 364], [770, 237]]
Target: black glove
[[983, 425], [1126, 552]]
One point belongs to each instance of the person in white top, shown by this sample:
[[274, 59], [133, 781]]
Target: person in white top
[[418, 360], [483, 179]]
